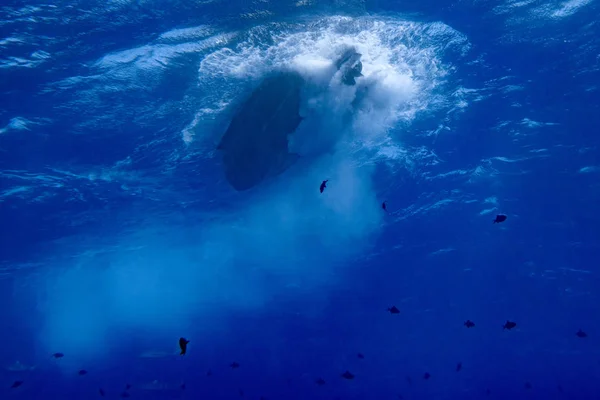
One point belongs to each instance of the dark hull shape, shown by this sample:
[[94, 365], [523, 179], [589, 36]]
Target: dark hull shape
[[255, 146]]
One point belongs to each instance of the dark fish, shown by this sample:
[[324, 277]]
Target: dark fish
[[581, 334], [393, 310], [241, 393], [234, 365], [360, 355], [527, 385], [183, 386], [500, 218], [127, 386], [559, 388], [183, 345], [16, 384], [469, 324], [320, 381], [58, 355], [509, 325], [125, 394], [101, 392], [82, 372], [458, 367], [427, 375], [208, 373], [487, 392], [347, 375], [384, 206], [323, 185]]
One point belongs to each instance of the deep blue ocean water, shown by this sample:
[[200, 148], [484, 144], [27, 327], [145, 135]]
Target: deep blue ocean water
[[120, 234]]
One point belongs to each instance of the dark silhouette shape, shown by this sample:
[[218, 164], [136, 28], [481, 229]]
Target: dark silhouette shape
[[183, 386], [241, 393], [183, 345], [527, 385], [384, 206], [347, 375], [82, 372], [409, 381], [487, 392], [234, 365], [16, 384], [320, 381], [581, 334], [101, 392], [500, 218], [323, 185], [393, 310], [127, 386], [361, 356], [559, 388], [58, 355], [509, 325], [469, 324], [208, 373], [458, 366], [426, 376], [125, 394], [352, 66], [255, 145]]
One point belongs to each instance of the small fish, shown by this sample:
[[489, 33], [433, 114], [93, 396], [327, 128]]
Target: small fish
[[183, 345], [469, 324], [323, 185], [384, 206], [393, 310], [581, 334], [426, 376], [320, 381], [234, 365], [361, 356], [101, 392], [16, 384], [127, 386], [183, 386], [487, 392], [241, 393], [58, 355], [458, 366], [559, 388], [208, 373], [125, 394], [347, 375], [527, 385], [509, 325], [82, 372], [500, 218]]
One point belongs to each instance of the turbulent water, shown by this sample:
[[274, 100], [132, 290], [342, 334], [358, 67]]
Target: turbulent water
[[120, 233]]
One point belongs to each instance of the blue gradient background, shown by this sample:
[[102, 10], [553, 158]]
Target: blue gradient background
[[119, 233]]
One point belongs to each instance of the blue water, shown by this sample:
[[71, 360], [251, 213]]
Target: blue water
[[120, 234]]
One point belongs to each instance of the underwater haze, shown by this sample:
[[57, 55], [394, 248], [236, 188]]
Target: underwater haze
[[121, 231]]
